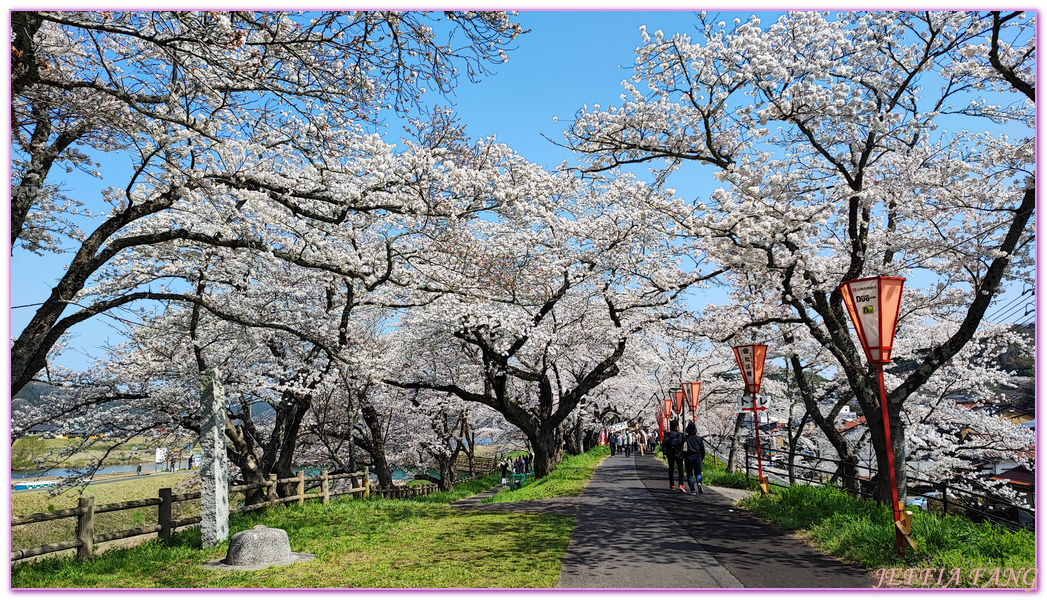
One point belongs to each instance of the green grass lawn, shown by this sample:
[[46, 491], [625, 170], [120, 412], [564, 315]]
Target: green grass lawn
[[374, 543], [568, 479], [862, 531], [358, 544]]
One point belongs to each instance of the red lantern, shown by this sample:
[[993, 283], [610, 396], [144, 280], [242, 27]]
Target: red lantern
[[750, 360], [691, 391], [874, 304], [679, 403]]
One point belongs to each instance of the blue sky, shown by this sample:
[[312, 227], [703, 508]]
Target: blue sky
[[569, 59]]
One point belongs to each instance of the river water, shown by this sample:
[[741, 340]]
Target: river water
[[129, 469]]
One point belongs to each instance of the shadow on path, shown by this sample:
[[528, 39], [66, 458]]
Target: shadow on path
[[633, 532], [757, 553]]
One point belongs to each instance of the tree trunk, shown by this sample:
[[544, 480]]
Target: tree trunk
[[573, 438], [284, 440], [827, 424], [470, 446], [882, 491], [448, 473], [243, 451], [375, 447], [590, 439], [736, 442], [548, 446]]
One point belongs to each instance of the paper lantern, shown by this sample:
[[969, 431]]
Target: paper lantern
[[874, 304], [750, 361]]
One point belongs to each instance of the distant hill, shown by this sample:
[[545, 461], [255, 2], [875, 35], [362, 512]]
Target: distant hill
[[31, 395]]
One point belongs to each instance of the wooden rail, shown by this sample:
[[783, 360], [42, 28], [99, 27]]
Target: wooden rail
[[166, 523]]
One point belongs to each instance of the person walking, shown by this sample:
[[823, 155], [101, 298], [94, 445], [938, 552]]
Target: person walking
[[641, 440], [613, 439], [627, 443], [505, 470], [693, 457], [672, 448]]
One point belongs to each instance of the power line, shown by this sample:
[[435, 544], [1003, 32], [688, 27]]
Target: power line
[[1006, 308], [916, 262]]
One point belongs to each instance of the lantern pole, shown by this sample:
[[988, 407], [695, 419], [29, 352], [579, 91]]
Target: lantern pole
[[899, 542], [751, 362], [756, 429], [879, 299]]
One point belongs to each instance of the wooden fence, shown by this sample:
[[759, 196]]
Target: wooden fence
[[481, 464], [85, 538]]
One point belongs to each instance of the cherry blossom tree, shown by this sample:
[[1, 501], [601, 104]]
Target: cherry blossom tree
[[238, 128], [301, 337], [828, 135], [538, 297]]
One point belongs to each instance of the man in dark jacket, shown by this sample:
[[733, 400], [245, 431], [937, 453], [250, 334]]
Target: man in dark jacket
[[693, 456], [672, 448]]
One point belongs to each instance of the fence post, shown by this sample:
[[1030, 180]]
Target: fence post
[[85, 528], [300, 491], [163, 514], [945, 497], [367, 483], [271, 491], [325, 488]]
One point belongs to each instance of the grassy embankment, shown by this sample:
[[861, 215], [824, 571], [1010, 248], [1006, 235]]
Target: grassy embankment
[[861, 531], [29, 452], [418, 542], [49, 532], [568, 479]]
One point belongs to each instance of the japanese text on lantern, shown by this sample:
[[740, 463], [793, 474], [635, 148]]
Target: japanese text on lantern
[[866, 298], [746, 355]]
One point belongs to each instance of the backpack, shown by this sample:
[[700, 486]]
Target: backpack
[[695, 446], [673, 444]]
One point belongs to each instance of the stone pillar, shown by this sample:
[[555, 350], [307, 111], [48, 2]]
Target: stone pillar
[[214, 474]]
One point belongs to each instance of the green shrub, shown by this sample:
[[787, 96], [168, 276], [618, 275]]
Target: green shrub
[[862, 531]]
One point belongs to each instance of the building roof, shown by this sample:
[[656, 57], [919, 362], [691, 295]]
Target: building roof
[[849, 425], [1018, 476]]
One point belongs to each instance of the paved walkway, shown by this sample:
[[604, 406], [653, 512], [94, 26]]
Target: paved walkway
[[633, 532]]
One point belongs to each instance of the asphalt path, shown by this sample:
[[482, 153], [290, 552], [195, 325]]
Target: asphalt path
[[633, 532], [624, 538], [755, 552]]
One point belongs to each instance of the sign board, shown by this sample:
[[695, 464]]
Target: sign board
[[746, 402], [161, 455], [618, 427]]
